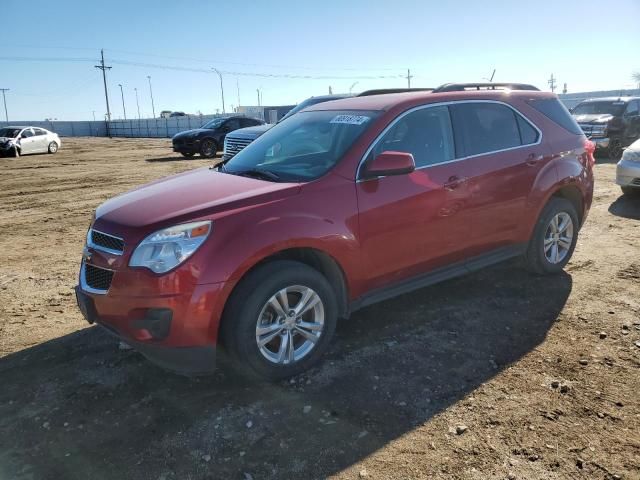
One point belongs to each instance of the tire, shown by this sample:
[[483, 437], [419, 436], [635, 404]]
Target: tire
[[209, 148], [53, 147], [615, 149], [188, 154], [249, 307], [631, 191], [540, 257]]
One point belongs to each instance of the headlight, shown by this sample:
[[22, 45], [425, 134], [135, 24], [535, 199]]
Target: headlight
[[168, 248], [631, 155]]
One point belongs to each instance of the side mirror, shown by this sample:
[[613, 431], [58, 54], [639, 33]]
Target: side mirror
[[390, 163]]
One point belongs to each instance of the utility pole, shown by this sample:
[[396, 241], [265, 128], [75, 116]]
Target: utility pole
[[137, 103], [564, 90], [124, 110], [4, 100], [238, 88], [221, 88], [94, 115], [153, 107], [258, 91], [409, 77], [104, 69], [552, 83]]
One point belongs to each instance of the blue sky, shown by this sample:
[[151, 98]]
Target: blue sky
[[581, 42]]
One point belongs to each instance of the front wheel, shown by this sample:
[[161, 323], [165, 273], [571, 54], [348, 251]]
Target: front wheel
[[615, 149], [280, 319], [554, 238], [208, 149], [53, 147]]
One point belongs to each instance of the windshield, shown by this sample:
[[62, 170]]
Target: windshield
[[599, 108], [9, 132], [215, 123], [304, 147]]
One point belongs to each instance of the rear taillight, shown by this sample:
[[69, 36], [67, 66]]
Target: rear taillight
[[590, 149]]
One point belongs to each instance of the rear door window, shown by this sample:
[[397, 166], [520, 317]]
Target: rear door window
[[486, 127], [26, 133], [425, 133]]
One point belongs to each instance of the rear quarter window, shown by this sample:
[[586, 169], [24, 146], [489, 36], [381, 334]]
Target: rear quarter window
[[553, 109]]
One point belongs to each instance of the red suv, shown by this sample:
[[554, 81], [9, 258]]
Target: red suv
[[342, 205]]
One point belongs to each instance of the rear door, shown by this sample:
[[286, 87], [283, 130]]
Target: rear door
[[505, 155], [412, 224], [41, 140]]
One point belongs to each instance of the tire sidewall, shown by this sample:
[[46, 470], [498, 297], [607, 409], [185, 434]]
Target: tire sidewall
[[54, 149], [242, 324], [536, 247]]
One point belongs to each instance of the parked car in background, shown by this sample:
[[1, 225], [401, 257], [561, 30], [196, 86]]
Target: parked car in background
[[16, 141], [209, 138], [177, 114], [165, 113], [611, 123], [244, 136], [343, 205], [628, 170]]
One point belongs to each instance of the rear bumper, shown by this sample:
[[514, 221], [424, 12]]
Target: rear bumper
[[628, 174]]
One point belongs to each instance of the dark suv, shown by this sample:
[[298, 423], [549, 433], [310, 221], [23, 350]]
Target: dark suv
[[345, 204], [611, 123], [209, 138]]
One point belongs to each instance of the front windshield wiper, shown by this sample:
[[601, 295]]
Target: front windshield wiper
[[257, 173]]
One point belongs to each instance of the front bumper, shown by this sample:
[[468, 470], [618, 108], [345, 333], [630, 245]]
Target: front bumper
[[173, 324], [601, 143], [187, 146], [628, 174]]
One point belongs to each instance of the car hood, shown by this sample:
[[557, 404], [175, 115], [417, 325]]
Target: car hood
[[187, 196], [192, 133], [250, 132], [593, 118]]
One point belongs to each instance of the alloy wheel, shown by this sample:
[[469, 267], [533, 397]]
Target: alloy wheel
[[290, 325], [558, 238]]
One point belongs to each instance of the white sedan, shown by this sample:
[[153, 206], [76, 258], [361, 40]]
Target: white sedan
[[628, 170], [16, 141]]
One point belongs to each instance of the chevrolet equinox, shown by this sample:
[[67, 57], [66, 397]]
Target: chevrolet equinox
[[343, 204]]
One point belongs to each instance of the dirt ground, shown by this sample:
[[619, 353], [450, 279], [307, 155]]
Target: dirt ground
[[496, 375]]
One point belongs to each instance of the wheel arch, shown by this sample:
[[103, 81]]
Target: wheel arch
[[574, 195]]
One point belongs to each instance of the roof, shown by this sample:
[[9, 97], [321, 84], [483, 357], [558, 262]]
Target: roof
[[611, 99], [18, 126], [387, 101]]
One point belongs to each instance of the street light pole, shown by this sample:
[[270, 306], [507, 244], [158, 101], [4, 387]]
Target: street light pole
[[221, 87], [4, 100], [153, 107], [137, 103], [258, 91], [352, 85], [124, 110]]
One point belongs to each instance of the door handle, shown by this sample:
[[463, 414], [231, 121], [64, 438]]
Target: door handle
[[533, 159], [454, 182]]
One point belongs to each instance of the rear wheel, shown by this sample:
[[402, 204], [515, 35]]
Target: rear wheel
[[554, 238], [53, 147], [280, 319], [208, 149]]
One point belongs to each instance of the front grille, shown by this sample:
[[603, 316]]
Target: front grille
[[99, 239], [97, 278], [233, 145], [591, 130]]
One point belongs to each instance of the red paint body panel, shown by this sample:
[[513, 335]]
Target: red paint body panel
[[378, 231]]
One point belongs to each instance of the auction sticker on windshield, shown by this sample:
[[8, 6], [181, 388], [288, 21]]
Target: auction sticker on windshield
[[350, 119]]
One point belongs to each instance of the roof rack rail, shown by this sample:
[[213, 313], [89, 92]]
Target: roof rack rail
[[461, 87], [382, 91]]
